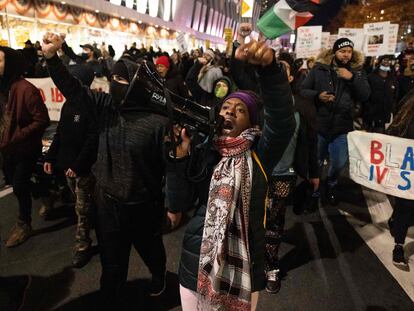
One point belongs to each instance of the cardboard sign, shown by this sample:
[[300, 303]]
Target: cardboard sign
[[376, 38], [309, 41], [356, 35], [54, 99], [383, 163]]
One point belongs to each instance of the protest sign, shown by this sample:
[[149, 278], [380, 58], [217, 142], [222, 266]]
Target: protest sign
[[382, 163], [376, 38], [54, 99], [356, 35], [393, 38], [332, 39], [325, 40], [309, 41], [182, 43]]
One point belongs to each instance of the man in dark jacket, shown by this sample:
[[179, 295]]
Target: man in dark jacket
[[383, 98], [335, 84], [215, 166], [129, 172], [25, 118], [74, 151], [406, 81]]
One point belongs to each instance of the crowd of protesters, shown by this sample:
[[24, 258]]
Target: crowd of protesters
[[283, 120]]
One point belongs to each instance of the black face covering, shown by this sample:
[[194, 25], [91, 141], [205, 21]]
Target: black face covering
[[118, 91], [85, 56]]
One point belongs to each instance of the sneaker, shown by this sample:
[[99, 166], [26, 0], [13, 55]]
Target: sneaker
[[398, 256], [81, 258], [273, 282], [157, 285], [19, 234]]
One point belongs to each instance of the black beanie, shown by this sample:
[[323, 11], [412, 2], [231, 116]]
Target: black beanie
[[121, 70], [342, 43]]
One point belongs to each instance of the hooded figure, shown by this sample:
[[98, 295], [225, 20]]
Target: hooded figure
[[73, 152], [24, 119], [129, 172]]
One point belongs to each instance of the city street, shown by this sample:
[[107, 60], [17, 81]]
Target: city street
[[338, 258]]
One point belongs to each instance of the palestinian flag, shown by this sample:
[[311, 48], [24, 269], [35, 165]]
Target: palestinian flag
[[287, 15]]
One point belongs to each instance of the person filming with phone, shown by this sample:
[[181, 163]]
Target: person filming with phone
[[335, 84]]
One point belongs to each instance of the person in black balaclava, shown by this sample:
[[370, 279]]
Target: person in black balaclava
[[24, 119], [129, 171], [334, 84]]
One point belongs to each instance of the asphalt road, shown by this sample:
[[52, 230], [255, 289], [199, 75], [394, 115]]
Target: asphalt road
[[330, 259]]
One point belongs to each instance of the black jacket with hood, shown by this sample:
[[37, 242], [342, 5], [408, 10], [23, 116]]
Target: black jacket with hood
[[334, 119], [75, 143], [130, 162]]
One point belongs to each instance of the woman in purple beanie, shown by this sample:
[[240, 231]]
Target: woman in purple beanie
[[222, 262]]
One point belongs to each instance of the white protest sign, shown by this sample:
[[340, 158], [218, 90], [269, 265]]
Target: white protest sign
[[325, 40], [376, 38], [54, 99], [393, 38], [383, 163], [309, 41], [332, 39], [182, 43], [356, 35]]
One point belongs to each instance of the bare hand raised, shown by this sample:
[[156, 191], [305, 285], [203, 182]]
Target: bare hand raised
[[51, 44], [256, 53]]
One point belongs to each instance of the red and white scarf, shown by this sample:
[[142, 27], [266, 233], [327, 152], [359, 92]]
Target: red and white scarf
[[224, 279]]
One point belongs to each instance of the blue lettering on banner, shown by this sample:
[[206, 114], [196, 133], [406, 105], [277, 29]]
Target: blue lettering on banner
[[371, 173], [408, 159], [404, 175]]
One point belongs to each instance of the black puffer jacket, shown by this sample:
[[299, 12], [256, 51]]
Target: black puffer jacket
[[277, 132], [334, 119], [130, 163]]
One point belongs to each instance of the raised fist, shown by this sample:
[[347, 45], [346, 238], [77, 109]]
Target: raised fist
[[256, 53], [51, 44]]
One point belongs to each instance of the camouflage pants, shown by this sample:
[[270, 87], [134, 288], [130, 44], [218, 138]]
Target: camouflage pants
[[280, 188], [82, 188]]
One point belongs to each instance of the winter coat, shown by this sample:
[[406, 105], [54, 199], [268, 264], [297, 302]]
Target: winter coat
[[278, 129], [334, 119], [130, 162], [406, 83], [383, 98], [25, 116], [175, 83]]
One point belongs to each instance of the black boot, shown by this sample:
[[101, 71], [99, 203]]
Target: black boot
[[331, 195], [81, 258]]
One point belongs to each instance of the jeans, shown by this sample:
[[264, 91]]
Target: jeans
[[121, 225], [18, 170], [337, 150]]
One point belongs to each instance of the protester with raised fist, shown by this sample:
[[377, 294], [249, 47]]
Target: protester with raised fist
[[222, 264]]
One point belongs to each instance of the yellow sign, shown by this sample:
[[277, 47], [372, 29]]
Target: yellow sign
[[247, 8], [228, 34], [208, 44]]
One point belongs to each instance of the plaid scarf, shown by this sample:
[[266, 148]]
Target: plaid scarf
[[224, 279]]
